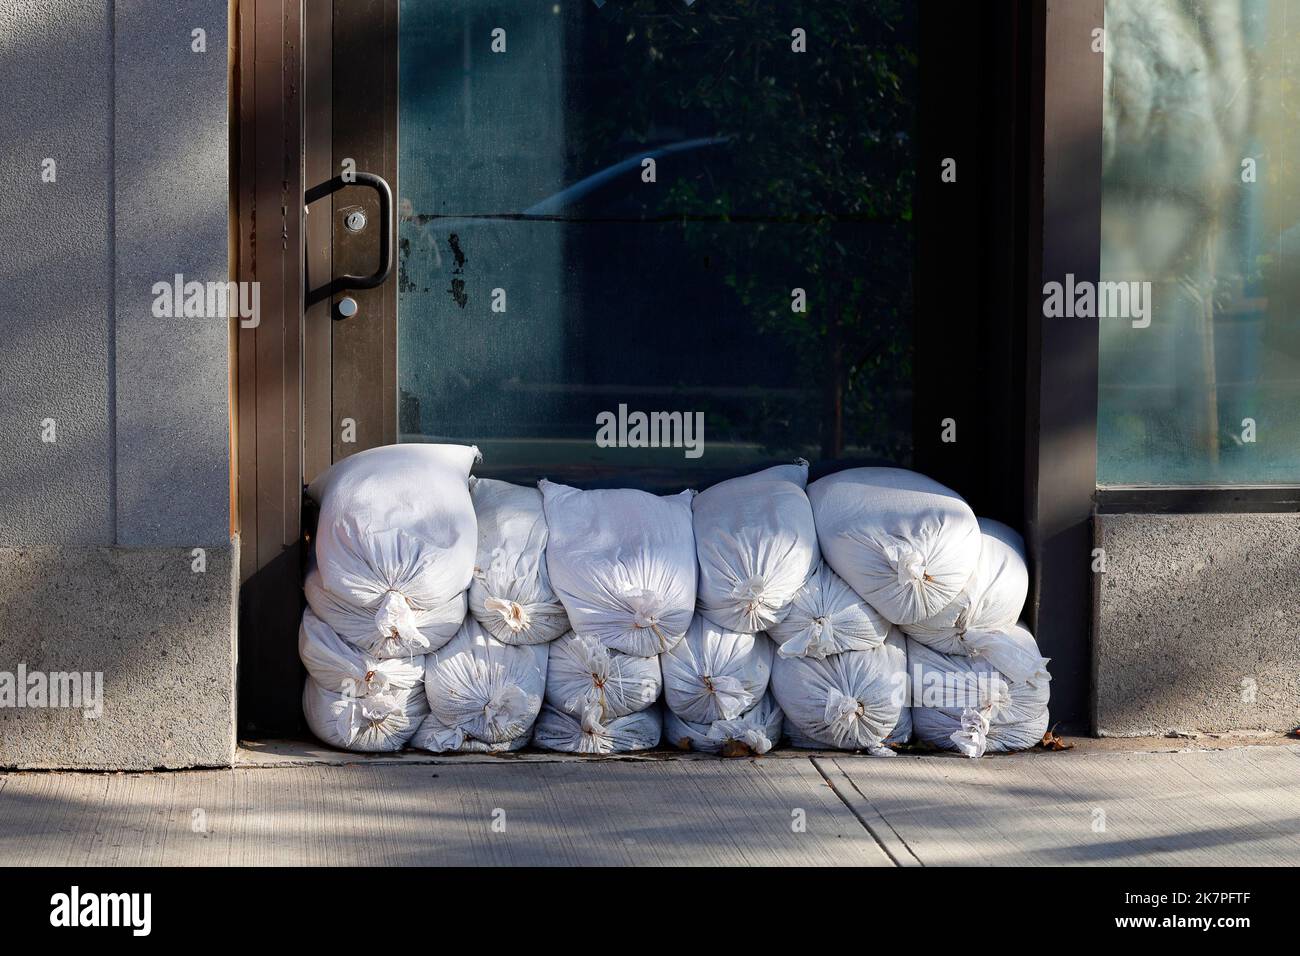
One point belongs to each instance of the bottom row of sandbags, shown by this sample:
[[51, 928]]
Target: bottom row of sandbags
[[721, 693]]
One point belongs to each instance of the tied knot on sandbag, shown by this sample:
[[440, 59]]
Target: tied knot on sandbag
[[513, 613], [973, 738], [354, 715], [396, 618], [375, 681], [751, 593], [646, 607], [821, 637], [815, 641], [591, 724], [963, 617], [843, 714], [505, 705], [378, 708], [596, 659], [909, 565], [731, 696]]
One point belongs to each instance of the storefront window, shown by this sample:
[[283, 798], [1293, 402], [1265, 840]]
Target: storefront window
[[640, 208], [1201, 220]]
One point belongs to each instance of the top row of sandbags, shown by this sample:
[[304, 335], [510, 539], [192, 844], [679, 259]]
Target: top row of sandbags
[[405, 533]]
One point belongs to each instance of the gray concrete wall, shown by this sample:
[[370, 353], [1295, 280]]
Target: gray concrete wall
[[159, 633], [98, 528], [56, 255], [1198, 623], [170, 162]]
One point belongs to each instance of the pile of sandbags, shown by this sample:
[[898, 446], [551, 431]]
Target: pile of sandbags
[[914, 551], [598, 700], [968, 705], [978, 680], [485, 688], [354, 700], [623, 564], [756, 545], [715, 688], [392, 557], [841, 685], [458, 614]]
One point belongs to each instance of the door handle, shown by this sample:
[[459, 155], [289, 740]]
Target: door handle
[[385, 194]]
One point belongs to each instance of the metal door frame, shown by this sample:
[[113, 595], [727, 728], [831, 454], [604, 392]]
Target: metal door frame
[[267, 173], [292, 396], [350, 365]]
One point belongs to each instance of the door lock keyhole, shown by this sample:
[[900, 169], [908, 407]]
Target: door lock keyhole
[[354, 221], [346, 307]]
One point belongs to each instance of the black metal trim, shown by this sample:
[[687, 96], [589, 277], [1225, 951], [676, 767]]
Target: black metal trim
[[1061, 355], [1248, 499]]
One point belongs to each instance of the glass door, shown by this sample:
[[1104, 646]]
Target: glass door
[[638, 242]]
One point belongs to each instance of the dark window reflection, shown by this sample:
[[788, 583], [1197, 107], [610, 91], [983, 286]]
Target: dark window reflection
[[523, 171]]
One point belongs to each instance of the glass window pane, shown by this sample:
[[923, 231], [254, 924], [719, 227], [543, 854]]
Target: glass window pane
[[548, 275], [1201, 198]]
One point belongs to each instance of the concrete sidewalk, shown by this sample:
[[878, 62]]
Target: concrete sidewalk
[[301, 804]]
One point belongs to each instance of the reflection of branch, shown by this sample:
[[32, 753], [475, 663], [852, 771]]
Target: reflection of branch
[[1210, 425]]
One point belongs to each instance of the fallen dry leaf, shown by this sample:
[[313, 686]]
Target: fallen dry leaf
[[1051, 741], [735, 748]]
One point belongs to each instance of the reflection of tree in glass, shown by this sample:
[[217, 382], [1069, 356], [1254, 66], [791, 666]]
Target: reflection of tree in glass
[[819, 170]]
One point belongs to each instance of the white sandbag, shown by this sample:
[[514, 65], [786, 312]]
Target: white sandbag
[[341, 667], [901, 735], [429, 630], [378, 723], [397, 534], [901, 540], [715, 674], [481, 690], [623, 563], [582, 673], [556, 730], [827, 617], [756, 544], [756, 731], [854, 700], [433, 735], [511, 592], [965, 704], [992, 599]]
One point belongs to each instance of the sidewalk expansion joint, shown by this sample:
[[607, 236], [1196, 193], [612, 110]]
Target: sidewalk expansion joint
[[893, 858]]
